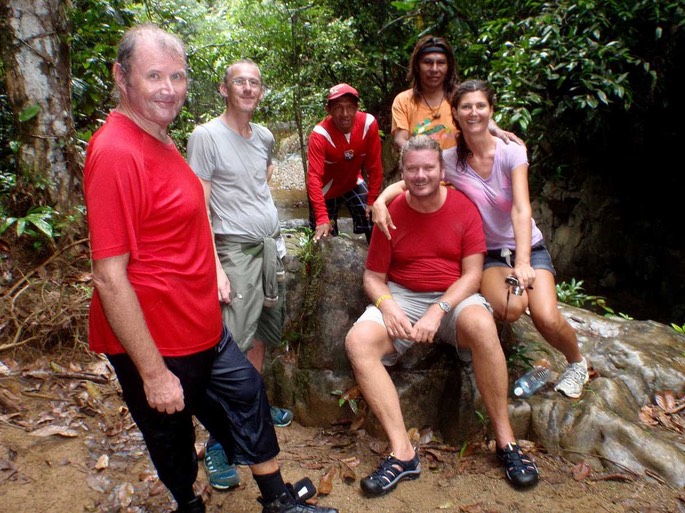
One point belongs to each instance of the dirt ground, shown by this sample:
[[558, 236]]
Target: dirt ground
[[68, 445]]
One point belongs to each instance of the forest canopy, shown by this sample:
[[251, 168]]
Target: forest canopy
[[593, 87]]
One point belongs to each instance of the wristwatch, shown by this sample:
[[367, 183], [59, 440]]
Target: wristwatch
[[444, 306]]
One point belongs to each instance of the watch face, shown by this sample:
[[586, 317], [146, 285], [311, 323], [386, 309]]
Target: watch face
[[445, 306]]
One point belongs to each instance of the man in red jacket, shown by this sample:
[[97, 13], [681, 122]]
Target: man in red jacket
[[342, 149]]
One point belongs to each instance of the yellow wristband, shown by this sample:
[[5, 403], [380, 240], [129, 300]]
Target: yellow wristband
[[381, 299]]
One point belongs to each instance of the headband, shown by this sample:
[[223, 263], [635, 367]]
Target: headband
[[432, 49]]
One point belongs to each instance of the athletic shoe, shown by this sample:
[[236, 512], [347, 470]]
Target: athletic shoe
[[281, 417], [389, 474], [520, 469], [221, 474], [293, 500], [194, 506], [573, 379]]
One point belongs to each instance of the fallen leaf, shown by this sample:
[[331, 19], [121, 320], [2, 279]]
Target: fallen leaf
[[102, 463], [326, 482], [157, 488], [646, 416], [57, 367], [666, 400], [353, 393], [347, 473], [124, 494], [358, 420], [378, 446], [98, 482], [93, 391], [352, 461], [581, 471], [425, 436], [55, 430], [4, 369], [434, 454]]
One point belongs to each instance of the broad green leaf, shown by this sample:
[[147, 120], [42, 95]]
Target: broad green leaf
[[29, 112]]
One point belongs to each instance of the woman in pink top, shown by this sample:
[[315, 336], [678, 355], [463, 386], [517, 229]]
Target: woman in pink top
[[494, 175]]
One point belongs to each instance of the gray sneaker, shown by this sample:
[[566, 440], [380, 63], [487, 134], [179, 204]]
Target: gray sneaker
[[573, 379]]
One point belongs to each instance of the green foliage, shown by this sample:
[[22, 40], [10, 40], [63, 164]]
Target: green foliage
[[562, 70], [556, 66], [342, 399], [97, 26], [482, 417], [518, 357], [37, 218], [307, 253], [573, 294], [29, 112]]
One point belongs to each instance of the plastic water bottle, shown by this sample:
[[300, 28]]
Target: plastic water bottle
[[531, 381]]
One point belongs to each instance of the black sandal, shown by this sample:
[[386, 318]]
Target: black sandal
[[521, 470], [389, 474]]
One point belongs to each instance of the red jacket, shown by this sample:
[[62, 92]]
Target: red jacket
[[335, 165]]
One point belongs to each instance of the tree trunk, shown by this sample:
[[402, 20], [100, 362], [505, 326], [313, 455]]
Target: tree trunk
[[35, 52]]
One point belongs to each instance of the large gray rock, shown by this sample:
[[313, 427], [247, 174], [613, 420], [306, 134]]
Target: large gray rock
[[633, 361]]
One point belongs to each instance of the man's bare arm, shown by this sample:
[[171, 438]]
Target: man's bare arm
[[125, 316]]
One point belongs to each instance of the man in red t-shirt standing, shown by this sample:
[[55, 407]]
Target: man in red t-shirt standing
[[342, 148], [423, 283], [158, 282]]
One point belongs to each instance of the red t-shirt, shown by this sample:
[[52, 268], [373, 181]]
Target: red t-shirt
[[425, 252], [142, 198], [335, 164]]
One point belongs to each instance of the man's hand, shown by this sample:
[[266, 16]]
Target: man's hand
[[224, 286], [397, 324], [164, 392], [381, 218], [427, 326], [322, 230]]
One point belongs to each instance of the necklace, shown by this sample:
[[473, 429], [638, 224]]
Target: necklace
[[435, 113]]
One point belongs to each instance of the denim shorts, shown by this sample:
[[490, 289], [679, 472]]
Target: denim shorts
[[539, 258]]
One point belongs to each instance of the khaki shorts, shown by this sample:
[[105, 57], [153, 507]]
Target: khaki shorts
[[414, 305], [246, 316]]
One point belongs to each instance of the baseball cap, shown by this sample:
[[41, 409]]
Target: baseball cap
[[339, 90]]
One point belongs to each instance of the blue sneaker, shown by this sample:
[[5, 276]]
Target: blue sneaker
[[221, 474], [281, 417]]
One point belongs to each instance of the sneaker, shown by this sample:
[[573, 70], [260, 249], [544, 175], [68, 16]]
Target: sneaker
[[221, 474], [194, 506], [573, 379], [293, 500], [389, 474], [520, 469], [281, 417]]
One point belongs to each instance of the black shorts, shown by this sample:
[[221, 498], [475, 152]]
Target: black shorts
[[222, 389]]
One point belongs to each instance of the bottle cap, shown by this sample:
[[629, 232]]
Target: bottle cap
[[518, 391]]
